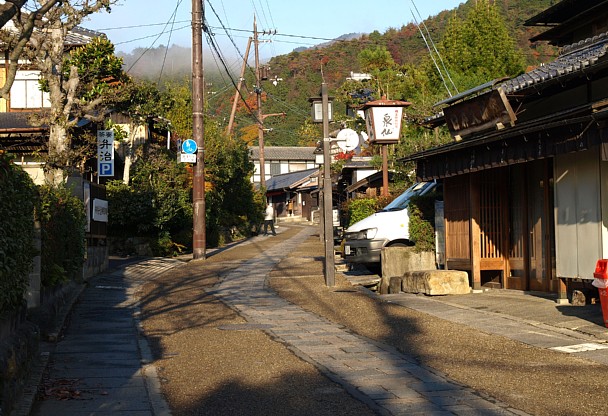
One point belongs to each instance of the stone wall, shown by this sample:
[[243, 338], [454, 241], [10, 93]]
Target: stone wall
[[396, 261], [19, 348], [97, 261]]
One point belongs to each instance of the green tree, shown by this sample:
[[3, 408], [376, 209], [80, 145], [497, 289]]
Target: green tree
[[231, 201], [478, 48], [158, 176], [376, 59], [179, 108], [160, 187], [78, 84], [309, 134], [387, 76], [142, 102]]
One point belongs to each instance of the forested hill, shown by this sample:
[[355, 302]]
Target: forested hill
[[407, 45], [301, 71]]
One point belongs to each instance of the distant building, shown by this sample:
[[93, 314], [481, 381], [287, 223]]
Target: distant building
[[294, 195], [357, 76], [281, 159]]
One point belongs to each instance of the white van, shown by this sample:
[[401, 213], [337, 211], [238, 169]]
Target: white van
[[363, 241]]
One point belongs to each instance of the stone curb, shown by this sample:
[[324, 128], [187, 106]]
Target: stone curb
[[28, 397]]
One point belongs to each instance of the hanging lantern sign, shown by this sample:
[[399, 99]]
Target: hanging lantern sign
[[383, 119]]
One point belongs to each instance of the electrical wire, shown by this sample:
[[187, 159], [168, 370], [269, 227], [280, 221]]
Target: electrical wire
[[434, 47], [149, 47], [215, 49], [150, 36], [168, 42], [432, 57], [225, 30]]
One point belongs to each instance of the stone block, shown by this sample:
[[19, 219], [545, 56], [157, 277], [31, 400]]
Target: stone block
[[395, 261], [384, 286], [395, 284], [436, 282]]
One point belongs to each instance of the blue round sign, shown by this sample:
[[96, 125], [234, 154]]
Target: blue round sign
[[189, 146]]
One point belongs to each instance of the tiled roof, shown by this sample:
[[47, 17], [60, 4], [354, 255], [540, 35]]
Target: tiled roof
[[359, 163], [574, 58], [283, 153], [18, 134], [77, 36], [81, 36], [560, 12], [287, 180], [21, 121]]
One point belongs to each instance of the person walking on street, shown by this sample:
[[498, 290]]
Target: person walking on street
[[269, 220]]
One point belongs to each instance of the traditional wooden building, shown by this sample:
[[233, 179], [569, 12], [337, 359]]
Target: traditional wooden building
[[279, 160], [294, 195], [526, 178]]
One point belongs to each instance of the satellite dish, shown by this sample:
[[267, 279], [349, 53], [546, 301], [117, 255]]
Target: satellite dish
[[347, 140]]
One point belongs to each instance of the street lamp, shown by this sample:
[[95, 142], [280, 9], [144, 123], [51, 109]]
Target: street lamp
[[322, 112], [383, 120]]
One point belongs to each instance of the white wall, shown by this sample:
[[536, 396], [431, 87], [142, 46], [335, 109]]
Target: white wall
[[578, 214]]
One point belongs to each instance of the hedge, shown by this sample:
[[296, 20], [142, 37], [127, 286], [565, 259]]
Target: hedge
[[16, 233]]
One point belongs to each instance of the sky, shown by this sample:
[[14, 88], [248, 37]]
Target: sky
[[300, 23]]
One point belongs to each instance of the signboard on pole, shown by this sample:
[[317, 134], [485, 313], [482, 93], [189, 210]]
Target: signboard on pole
[[105, 152], [189, 146], [100, 210], [188, 153], [187, 157]]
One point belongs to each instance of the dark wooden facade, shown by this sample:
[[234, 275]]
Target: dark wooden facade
[[500, 183], [499, 226]]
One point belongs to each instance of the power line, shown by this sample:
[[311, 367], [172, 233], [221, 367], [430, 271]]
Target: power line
[[149, 36], [168, 41], [248, 31], [211, 42], [105, 29], [434, 47]]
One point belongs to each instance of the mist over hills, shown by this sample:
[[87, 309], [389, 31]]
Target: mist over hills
[[158, 63], [175, 62]]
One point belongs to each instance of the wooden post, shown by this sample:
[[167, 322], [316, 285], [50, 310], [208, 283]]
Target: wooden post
[[238, 90], [258, 91], [474, 202], [328, 218], [384, 170]]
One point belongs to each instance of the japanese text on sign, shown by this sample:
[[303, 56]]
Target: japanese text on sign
[[105, 152]]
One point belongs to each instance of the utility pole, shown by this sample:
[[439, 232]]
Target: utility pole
[[258, 91], [199, 241], [238, 89], [328, 217]]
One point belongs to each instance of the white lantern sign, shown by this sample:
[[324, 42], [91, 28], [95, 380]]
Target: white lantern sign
[[383, 119]]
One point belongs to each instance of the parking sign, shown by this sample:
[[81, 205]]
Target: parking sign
[[105, 152]]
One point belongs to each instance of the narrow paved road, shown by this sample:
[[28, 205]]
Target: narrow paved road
[[376, 373]]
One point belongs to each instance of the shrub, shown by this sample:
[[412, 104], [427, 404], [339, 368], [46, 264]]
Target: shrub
[[156, 206], [16, 233], [359, 208], [62, 220], [421, 211], [131, 213]]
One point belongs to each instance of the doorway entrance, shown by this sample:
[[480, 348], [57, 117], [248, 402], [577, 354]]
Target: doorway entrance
[[531, 226]]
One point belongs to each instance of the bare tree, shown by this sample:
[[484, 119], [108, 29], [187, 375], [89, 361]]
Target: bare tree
[[8, 9], [40, 38], [19, 35]]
